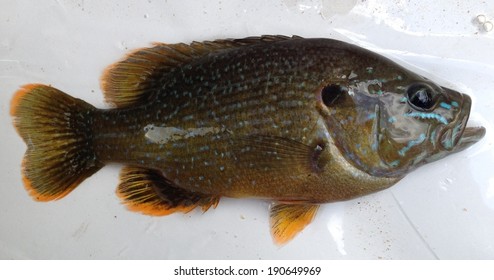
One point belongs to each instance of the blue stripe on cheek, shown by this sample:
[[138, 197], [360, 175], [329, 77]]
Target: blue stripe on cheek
[[394, 163], [411, 144], [374, 146], [370, 116], [433, 138], [445, 105], [423, 115], [448, 143]]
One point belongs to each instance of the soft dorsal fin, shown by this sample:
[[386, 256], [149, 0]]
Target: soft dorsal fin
[[147, 191], [287, 220], [131, 80]]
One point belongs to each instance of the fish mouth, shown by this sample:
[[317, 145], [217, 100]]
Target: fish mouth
[[457, 136], [470, 136]]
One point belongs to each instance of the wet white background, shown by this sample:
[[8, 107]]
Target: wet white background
[[444, 210]]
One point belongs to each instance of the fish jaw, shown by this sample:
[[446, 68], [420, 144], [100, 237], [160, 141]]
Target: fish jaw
[[458, 137], [470, 136]]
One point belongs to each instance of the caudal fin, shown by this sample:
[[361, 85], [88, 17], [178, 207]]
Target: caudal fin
[[57, 130]]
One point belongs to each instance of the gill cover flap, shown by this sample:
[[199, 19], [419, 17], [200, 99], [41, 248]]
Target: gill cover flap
[[287, 220], [147, 191], [140, 73]]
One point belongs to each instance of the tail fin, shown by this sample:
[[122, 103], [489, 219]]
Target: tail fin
[[57, 130]]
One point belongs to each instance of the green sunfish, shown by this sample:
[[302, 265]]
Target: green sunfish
[[297, 121]]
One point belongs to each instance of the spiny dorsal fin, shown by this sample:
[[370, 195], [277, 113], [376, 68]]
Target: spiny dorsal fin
[[287, 220], [131, 80], [147, 191]]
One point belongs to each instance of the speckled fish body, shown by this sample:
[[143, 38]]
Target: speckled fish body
[[244, 122], [298, 121]]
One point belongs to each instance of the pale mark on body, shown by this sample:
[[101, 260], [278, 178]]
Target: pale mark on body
[[163, 135]]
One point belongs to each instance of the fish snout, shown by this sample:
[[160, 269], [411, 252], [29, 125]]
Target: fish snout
[[457, 136]]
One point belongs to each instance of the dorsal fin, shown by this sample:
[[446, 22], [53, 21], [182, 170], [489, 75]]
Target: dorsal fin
[[131, 80]]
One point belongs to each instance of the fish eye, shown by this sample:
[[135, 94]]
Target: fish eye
[[330, 94], [421, 97]]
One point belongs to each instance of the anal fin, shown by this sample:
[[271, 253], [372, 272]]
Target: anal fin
[[287, 220], [147, 191]]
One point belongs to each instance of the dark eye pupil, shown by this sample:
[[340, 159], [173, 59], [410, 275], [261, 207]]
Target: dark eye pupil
[[420, 97]]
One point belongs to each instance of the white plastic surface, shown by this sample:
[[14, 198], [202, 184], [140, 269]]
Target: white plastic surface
[[443, 210]]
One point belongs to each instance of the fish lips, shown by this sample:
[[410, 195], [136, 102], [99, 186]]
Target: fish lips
[[457, 136]]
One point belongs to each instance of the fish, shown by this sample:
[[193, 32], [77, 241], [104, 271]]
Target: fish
[[296, 121]]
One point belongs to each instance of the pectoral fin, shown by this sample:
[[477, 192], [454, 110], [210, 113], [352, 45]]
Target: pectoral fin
[[279, 154], [287, 220]]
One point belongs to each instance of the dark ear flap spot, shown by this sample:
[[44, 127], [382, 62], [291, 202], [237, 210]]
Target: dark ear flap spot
[[332, 94]]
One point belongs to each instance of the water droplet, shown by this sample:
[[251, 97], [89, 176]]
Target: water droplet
[[444, 185], [122, 45], [481, 18], [488, 26]]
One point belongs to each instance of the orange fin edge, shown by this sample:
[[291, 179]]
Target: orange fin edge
[[287, 220], [19, 95], [39, 115], [137, 76], [148, 192]]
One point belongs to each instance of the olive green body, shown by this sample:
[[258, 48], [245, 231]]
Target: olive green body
[[246, 122]]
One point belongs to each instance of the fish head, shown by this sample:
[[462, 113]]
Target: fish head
[[423, 122], [388, 121]]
